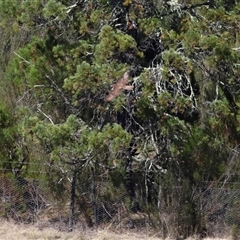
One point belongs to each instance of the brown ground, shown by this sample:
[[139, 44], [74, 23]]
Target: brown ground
[[11, 231]]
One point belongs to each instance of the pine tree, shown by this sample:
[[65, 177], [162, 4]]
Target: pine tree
[[178, 126]]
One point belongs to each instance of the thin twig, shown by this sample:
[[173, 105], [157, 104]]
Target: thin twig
[[22, 58], [45, 115]]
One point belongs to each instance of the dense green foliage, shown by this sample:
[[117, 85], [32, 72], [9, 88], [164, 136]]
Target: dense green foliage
[[179, 126]]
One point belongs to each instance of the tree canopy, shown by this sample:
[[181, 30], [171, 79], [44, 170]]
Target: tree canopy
[[179, 124]]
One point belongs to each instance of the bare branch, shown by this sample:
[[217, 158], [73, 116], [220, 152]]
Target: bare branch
[[57, 88], [22, 58], [38, 108], [25, 93]]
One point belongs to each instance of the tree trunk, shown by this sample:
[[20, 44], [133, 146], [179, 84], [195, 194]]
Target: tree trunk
[[72, 199], [94, 203]]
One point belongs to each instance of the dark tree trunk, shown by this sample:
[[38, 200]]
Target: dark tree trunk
[[130, 183], [94, 203]]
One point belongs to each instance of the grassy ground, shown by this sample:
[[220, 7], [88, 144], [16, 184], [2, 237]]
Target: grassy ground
[[10, 231]]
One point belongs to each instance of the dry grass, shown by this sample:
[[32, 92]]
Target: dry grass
[[11, 231]]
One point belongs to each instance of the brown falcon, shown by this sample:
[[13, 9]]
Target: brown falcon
[[119, 87]]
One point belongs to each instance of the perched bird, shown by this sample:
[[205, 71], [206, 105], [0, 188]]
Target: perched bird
[[119, 87]]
